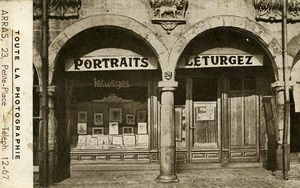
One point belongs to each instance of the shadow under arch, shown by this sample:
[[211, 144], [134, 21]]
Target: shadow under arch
[[114, 35], [106, 20], [235, 23]]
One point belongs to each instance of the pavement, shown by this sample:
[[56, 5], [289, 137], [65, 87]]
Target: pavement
[[253, 177]]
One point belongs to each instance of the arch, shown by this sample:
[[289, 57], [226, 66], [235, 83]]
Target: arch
[[37, 64], [261, 34], [106, 20]]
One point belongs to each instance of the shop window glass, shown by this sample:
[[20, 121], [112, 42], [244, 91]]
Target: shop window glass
[[180, 117], [249, 83], [112, 117], [180, 93], [205, 89], [236, 83]]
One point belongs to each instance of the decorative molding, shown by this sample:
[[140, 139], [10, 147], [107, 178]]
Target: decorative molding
[[58, 9], [271, 10], [168, 13]]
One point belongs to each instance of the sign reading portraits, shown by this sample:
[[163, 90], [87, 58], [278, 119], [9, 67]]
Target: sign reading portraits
[[204, 61], [105, 63]]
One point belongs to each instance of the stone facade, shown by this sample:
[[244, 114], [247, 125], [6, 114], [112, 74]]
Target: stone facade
[[169, 35]]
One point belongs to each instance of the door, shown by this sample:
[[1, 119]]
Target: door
[[204, 131], [243, 119]]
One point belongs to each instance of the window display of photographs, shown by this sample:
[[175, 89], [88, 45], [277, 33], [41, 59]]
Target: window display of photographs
[[113, 128], [130, 119], [82, 117], [81, 128], [98, 118], [115, 114]]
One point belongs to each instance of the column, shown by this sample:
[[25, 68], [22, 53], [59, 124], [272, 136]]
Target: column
[[168, 143], [278, 88], [52, 135]]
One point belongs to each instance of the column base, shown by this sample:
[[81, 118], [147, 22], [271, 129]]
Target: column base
[[167, 179], [279, 175]]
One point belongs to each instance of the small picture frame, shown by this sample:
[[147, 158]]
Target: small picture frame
[[98, 118], [129, 140], [142, 116], [142, 128], [127, 130], [81, 128], [117, 140], [82, 117], [115, 115], [113, 128], [130, 119], [97, 131]]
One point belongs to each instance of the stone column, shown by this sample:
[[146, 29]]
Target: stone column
[[278, 88], [167, 132], [52, 135]]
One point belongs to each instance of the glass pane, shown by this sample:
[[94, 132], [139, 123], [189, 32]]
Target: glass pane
[[205, 89], [205, 123], [235, 83], [249, 83]]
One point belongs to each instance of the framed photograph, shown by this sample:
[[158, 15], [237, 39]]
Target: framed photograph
[[97, 131], [98, 118], [81, 128], [130, 119], [142, 116], [113, 128], [82, 117], [128, 130], [115, 115], [129, 140], [117, 140], [142, 128]]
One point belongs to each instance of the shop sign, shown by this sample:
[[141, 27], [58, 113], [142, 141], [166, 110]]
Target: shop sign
[[203, 61], [105, 63], [111, 83]]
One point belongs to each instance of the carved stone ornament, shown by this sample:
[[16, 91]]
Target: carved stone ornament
[[272, 9], [59, 9], [168, 13]]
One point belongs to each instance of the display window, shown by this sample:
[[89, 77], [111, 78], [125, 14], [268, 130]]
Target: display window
[[112, 111]]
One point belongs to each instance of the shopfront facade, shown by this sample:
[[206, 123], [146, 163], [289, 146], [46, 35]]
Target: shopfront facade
[[163, 88]]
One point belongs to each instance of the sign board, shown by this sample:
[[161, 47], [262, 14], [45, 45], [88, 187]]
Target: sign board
[[205, 61], [105, 63], [205, 111]]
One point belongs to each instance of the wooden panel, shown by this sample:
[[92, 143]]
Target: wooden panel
[[250, 120], [86, 157], [236, 120]]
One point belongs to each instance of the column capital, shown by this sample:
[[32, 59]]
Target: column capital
[[168, 85], [278, 86], [51, 90]]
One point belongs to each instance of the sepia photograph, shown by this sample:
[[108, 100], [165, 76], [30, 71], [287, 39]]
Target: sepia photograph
[[150, 93]]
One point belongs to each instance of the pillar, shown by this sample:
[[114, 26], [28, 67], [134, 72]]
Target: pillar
[[278, 88], [52, 152], [168, 142], [52, 135]]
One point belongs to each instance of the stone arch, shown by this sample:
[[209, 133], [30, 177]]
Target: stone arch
[[37, 64], [242, 24], [106, 20]]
